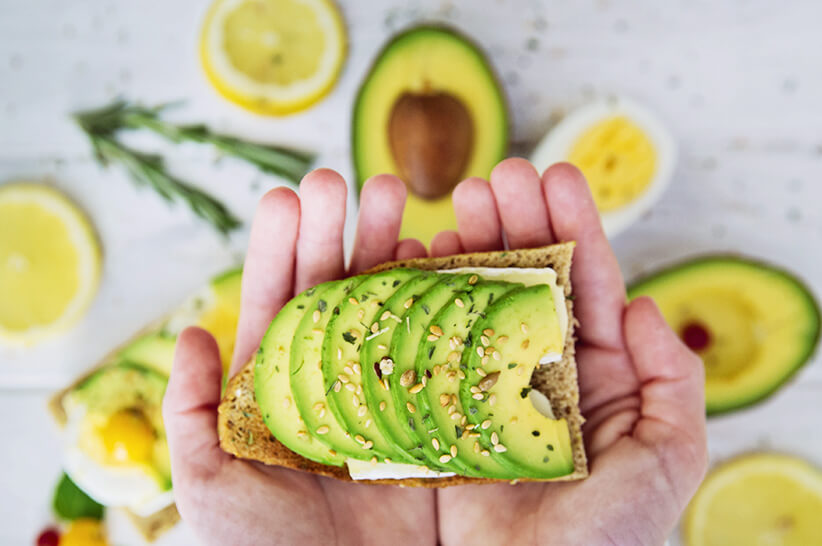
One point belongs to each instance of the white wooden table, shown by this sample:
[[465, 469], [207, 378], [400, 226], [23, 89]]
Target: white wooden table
[[738, 82]]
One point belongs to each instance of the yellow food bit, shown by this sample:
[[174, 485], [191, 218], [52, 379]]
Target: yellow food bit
[[127, 437], [617, 158], [84, 532]]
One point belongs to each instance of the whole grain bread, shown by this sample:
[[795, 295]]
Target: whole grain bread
[[243, 433]]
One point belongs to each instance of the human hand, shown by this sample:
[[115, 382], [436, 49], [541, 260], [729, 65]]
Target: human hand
[[295, 243], [641, 389]]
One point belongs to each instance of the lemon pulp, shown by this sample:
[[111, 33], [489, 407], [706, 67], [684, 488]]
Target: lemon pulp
[[49, 262], [757, 499], [618, 160]]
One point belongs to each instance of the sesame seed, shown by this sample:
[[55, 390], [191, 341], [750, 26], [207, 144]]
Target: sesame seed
[[360, 314], [357, 368], [408, 303], [408, 378], [316, 315], [452, 375], [385, 315], [395, 318], [375, 327], [367, 423], [382, 347], [452, 343], [343, 378], [435, 443], [480, 351], [461, 374], [494, 438], [424, 380], [499, 448], [474, 389], [492, 399], [520, 369], [444, 399], [361, 411], [476, 447], [473, 279], [383, 405], [349, 370], [350, 387], [463, 420], [318, 406], [337, 386], [484, 360], [471, 427], [453, 451], [302, 433], [453, 356], [339, 353], [497, 355], [353, 301], [287, 402], [368, 445], [445, 458], [416, 388], [525, 344], [488, 332], [473, 434], [323, 429], [355, 401], [410, 407], [477, 396], [432, 337], [374, 460], [384, 383], [459, 303], [322, 413], [436, 370], [316, 331], [485, 453], [456, 416], [359, 438], [451, 409], [485, 424], [481, 372], [436, 330], [502, 339], [523, 327], [485, 341]]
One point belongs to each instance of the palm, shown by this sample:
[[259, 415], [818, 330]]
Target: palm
[[295, 243], [640, 389]]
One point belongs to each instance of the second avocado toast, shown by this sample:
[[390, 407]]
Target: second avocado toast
[[411, 374]]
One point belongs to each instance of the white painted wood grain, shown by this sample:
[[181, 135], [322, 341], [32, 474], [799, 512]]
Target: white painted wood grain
[[738, 82]]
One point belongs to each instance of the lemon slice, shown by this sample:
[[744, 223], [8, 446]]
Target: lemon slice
[[273, 56], [49, 263], [757, 499]]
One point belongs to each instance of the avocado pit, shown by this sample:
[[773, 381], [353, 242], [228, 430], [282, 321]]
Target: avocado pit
[[431, 137]]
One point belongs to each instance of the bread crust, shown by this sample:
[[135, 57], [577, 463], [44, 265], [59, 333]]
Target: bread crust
[[244, 434]]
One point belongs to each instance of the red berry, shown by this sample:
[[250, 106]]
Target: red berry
[[696, 336], [49, 537]]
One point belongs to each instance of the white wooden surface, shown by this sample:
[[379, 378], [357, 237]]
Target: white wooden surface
[[738, 82]]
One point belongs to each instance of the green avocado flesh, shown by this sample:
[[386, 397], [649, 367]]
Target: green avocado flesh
[[381, 368], [155, 351], [753, 325]]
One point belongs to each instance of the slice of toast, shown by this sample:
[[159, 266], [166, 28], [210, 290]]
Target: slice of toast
[[244, 434]]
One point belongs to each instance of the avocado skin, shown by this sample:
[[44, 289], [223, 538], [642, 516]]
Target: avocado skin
[[669, 272]]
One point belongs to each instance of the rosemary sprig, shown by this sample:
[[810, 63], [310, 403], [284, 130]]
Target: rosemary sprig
[[148, 169], [121, 114]]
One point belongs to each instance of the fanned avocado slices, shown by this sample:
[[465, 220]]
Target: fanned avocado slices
[[357, 318], [516, 332], [272, 382], [453, 434], [378, 369], [405, 384], [307, 383]]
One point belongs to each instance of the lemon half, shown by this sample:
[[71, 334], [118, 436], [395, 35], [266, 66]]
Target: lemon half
[[49, 263], [757, 499], [273, 56]]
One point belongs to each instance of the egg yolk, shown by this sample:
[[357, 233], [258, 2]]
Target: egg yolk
[[84, 532], [221, 322], [617, 158], [127, 437]]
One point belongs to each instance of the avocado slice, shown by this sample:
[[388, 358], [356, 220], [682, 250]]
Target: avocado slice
[[307, 383], [358, 317], [405, 384], [431, 111], [753, 324], [515, 333], [155, 351], [136, 390], [272, 382], [378, 363], [440, 397]]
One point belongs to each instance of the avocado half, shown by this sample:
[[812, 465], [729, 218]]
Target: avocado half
[[754, 325], [432, 112]]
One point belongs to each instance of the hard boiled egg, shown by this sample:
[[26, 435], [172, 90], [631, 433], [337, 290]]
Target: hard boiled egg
[[627, 155]]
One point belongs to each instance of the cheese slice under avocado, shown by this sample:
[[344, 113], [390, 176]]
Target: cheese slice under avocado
[[540, 410]]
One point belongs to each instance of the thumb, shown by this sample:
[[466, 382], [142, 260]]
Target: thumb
[[190, 409], [672, 380]]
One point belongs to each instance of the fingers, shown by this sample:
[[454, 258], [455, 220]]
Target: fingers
[[408, 249], [518, 194], [268, 273], [446, 243], [190, 408], [381, 203], [320, 241], [673, 388], [477, 218], [596, 278]]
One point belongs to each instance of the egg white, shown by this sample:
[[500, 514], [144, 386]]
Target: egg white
[[557, 145], [130, 487]]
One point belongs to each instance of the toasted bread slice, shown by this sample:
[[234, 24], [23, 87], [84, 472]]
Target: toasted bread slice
[[244, 434]]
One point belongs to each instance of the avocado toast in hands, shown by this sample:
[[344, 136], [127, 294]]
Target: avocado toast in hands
[[428, 372]]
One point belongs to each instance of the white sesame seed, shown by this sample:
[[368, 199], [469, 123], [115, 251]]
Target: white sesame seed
[[494, 438], [474, 389], [383, 405], [323, 429], [302, 433], [436, 330], [476, 447], [481, 372], [316, 315], [361, 411], [480, 351], [360, 314], [473, 279], [456, 416], [453, 451], [461, 374], [359, 438], [488, 332], [375, 327], [408, 303], [451, 409], [357, 368], [353, 301], [485, 453], [445, 458], [382, 347], [485, 341], [349, 370], [523, 327], [411, 408], [432, 337], [368, 445], [339, 353], [497, 355], [444, 399], [435, 443], [385, 315], [485, 424], [355, 401], [350, 387], [499, 448], [477, 396], [492, 399]]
